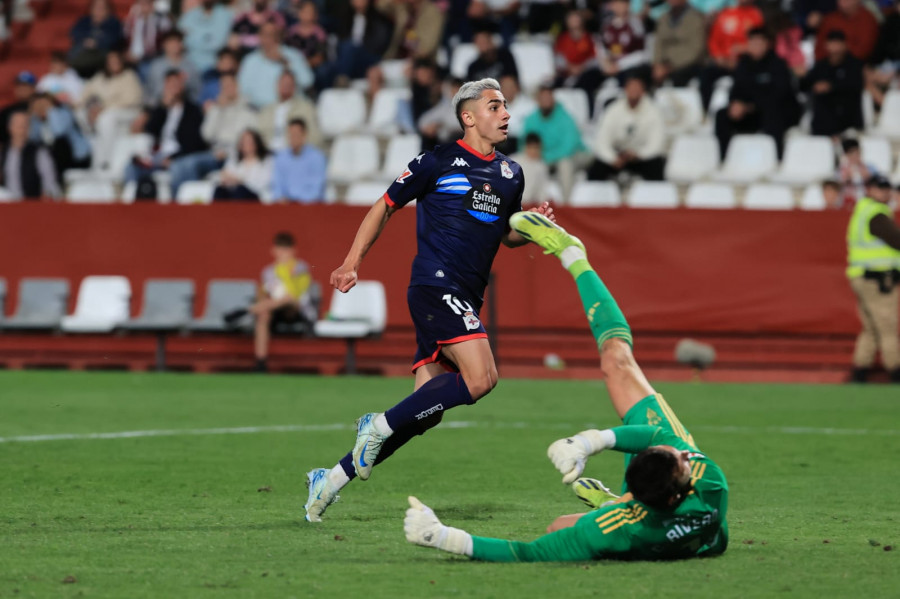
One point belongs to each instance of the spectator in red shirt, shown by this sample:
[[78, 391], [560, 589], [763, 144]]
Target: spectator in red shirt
[[576, 57], [727, 42], [857, 23]]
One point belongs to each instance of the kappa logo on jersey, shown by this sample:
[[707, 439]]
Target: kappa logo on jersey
[[505, 170], [485, 204], [404, 176], [453, 184], [471, 321], [460, 162], [419, 158]]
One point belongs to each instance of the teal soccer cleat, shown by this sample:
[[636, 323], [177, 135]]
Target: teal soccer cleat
[[321, 495], [368, 445]]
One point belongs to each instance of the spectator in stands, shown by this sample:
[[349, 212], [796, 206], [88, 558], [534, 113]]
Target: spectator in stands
[[631, 136], [787, 35], [831, 193], [308, 37], [23, 89], [299, 171], [206, 29], [144, 28], [576, 56], [224, 121], [62, 82], [885, 58], [531, 160], [622, 46], [26, 167], [563, 149], [763, 98], [364, 35], [175, 127], [502, 14], [260, 70], [858, 24], [173, 58], [545, 15], [852, 172], [519, 106], [727, 43], [426, 87], [680, 44], [274, 119], [418, 28], [248, 174], [836, 86], [226, 63], [492, 62], [439, 124], [54, 126], [111, 101], [93, 35], [247, 28], [809, 13]]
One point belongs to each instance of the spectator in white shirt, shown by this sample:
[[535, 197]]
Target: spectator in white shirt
[[63, 82], [247, 176], [273, 120]]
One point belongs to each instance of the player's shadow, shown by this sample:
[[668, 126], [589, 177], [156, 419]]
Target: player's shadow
[[470, 511]]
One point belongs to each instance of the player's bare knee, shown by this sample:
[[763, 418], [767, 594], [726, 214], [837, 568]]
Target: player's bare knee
[[482, 383], [616, 359]]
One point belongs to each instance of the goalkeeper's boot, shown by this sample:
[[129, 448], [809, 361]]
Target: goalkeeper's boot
[[593, 493], [368, 445], [541, 230], [321, 494]]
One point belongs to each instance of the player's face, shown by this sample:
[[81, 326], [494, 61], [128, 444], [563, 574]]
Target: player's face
[[490, 116], [684, 465]]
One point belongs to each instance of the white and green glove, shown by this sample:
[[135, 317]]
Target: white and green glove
[[423, 528], [570, 455]]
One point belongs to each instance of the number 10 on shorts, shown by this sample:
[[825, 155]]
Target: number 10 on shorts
[[463, 309]]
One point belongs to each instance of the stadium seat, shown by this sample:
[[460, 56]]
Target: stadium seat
[[553, 192], [575, 101], [536, 64], [652, 194], [331, 195], [168, 306], [6, 195], [359, 313], [401, 149], [124, 150], [608, 93], [720, 97], [383, 119], [42, 304], [749, 158], [394, 72], [587, 194], [364, 193], [352, 157], [876, 151], [692, 158], [224, 296], [128, 193], [812, 198], [91, 191], [196, 192], [767, 196], [711, 195], [682, 109], [868, 104], [889, 121], [807, 159], [341, 111], [103, 304], [463, 56]]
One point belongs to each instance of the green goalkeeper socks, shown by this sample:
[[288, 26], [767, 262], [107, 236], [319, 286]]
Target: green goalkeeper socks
[[603, 314]]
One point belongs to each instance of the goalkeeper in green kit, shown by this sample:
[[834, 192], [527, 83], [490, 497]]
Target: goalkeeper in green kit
[[675, 499]]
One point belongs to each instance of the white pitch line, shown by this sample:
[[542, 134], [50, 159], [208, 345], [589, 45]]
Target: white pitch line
[[310, 428]]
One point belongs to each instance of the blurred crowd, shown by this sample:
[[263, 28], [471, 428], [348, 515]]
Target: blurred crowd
[[231, 87]]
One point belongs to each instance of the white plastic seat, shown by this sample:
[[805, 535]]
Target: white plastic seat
[[536, 63], [711, 195], [768, 196], [576, 103], [692, 158], [401, 149], [128, 193], [608, 93], [124, 150], [89, 191], [394, 72], [463, 56], [385, 108], [352, 158], [889, 121], [807, 159], [653, 194], [812, 198], [877, 152], [103, 304], [359, 313], [749, 158], [364, 193], [195, 192], [553, 192], [682, 108], [341, 111], [587, 194]]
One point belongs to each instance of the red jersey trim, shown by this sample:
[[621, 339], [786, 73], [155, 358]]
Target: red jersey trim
[[472, 150], [389, 201]]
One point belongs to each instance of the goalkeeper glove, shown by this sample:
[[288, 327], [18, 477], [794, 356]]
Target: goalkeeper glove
[[570, 455], [423, 528]]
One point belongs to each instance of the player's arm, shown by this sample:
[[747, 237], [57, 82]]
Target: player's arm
[[570, 455], [512, 239], [344, 277]]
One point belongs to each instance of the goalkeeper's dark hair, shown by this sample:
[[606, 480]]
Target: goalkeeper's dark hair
[[652, 477]]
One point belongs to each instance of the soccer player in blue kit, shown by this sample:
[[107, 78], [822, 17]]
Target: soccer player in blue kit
[[466, 193]]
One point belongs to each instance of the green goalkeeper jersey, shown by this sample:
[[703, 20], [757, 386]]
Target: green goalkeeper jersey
[[628, 529]]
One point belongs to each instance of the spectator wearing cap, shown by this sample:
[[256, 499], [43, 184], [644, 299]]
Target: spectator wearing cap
[[273, 120], [763, 98], [299, 172], [873, 255], [680, 44], [492, 62], [260, 70], [173, 58], [144, 28], [727, 42], [858, 24], [54, 126], [576, 56], [852, 172], [206, 29], [26, 167], [631, 136], [93, 35], [836, 86], [23, 89], [62, 81], [247, 28]]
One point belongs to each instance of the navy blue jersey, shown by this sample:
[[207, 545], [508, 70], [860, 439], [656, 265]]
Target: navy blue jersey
[[464, 203]]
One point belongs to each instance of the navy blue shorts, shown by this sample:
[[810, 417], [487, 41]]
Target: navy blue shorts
[[442, 317]]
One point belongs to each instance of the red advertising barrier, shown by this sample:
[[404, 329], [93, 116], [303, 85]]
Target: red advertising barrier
[[671, 270]]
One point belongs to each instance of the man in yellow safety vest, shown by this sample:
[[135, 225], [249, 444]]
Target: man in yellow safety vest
[[873, 267]]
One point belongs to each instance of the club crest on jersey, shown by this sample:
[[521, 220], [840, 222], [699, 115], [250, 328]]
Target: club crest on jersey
[[460, 162], [471, 321], [505, 170], [483, 203]]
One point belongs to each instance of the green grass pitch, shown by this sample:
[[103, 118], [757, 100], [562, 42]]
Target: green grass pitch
[[814, 509]]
